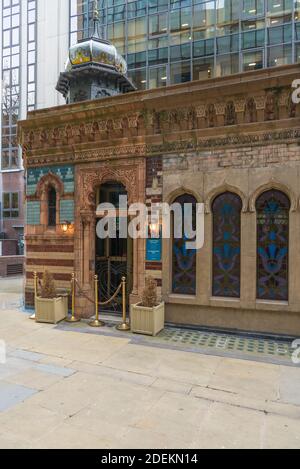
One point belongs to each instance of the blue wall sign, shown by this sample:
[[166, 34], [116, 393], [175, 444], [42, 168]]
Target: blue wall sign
[[154, 250]]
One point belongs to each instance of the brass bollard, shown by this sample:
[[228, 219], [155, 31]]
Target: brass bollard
[[73, 318], [35, 280], [96, 322], [124, 326]]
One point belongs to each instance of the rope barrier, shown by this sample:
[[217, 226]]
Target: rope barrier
[[104, 303], [124, 326]]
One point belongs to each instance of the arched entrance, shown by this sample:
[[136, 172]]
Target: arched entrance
[[113, 256], [89, 180]]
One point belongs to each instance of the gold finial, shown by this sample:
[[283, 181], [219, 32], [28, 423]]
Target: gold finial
[[95, 11], [96, 19]]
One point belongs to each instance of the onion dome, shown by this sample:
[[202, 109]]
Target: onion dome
[[94, 69], [96, 51]]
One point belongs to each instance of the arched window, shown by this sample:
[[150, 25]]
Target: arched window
[[227, 209], [272, 209], [184, 259], [52, 206]]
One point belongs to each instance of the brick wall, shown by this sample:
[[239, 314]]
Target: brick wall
[[154, 168]]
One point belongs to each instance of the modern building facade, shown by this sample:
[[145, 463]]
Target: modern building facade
[[32, 31], [173, 41]]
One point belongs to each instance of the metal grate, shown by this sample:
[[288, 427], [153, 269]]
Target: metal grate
[[228, 343], [14, 269]]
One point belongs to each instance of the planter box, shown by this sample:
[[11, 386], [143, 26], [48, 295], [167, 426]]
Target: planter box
[[147, 321], [52, 310]]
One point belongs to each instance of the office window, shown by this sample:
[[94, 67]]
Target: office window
[[10, 205]]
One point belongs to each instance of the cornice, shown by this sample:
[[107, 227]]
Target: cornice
[[137, 150]]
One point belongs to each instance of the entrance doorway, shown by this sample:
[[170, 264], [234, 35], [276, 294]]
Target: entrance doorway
[[114, 257]]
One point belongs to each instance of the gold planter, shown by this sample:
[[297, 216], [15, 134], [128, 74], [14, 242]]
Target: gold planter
[[51, 311], [147, 321]]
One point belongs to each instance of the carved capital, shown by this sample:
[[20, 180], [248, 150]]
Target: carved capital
[[102, 126], [133, 121], [239, 105], [200, 110], [260, 102], [118, 124], [284, 98], [85, 217], [220, 109]]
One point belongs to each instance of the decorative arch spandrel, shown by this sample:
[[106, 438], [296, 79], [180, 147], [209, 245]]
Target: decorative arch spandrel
[[272, 184], [47, 181], [222, 189], [90, 180]]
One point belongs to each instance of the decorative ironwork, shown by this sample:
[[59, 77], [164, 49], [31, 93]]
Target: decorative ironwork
[[272, 245], [184, 260], [227, 245], [110, 275]]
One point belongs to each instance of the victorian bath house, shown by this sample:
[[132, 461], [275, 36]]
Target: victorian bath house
[[230, 143]]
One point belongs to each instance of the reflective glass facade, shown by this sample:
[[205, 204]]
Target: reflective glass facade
[[173, 41], [31, 53], [11, 22]]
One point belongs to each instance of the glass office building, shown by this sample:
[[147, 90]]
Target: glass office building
[[174, 41]]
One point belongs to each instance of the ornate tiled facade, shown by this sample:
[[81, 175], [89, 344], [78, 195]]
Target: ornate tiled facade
[[237, 135]]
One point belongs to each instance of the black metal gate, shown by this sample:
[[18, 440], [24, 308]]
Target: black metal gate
[[110, 272]]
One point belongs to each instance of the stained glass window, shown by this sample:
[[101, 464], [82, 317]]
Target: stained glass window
[[184, 260], [272, 245], [227, 245]]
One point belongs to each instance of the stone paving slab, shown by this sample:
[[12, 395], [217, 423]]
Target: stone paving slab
[[55, 370], [277, 351], [73, 387], [25, 355], [12, 394]]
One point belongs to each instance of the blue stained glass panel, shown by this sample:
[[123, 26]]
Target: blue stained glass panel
[[227, 245], [272, 246], [184, 260]]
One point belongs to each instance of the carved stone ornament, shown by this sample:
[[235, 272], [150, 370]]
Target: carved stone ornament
[[260, 102], [200, 110], [230, 114], [220, 109], [102, 126], [271, 107], [250, 114], [133, 121], [118, 124], [239, 104], [89, 180], [211, 115]]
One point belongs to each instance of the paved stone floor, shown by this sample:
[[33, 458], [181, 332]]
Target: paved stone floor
[[62, 387]]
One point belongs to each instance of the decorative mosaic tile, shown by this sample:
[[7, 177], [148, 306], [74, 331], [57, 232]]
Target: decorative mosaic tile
[[65, 173], [67, 210], [33, 213]]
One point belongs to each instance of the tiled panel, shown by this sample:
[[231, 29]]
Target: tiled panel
[[65, 173], [33, 213], [67, 210]]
